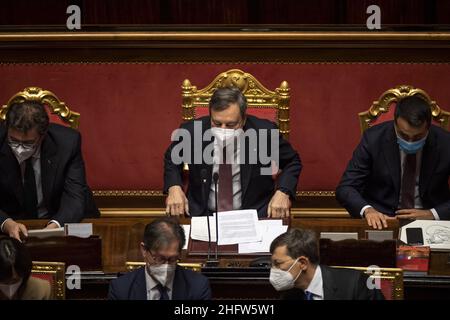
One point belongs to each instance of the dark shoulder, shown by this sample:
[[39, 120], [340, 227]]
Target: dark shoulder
[[259, 123], [442, 134], [380, 130], [343, 275], [128, 277], [192, 276], [62, 133]]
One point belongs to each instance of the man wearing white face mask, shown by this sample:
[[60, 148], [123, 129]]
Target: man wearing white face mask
[[400, 169], [297, 274], [241, 183], [15, 270], [42, 171], [161, 278]]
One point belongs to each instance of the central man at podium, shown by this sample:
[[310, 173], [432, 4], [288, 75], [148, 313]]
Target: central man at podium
[[241, 151]]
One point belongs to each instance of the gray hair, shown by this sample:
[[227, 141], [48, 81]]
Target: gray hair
[[162, 232], [27, 115], [299, 242], [223, 97]]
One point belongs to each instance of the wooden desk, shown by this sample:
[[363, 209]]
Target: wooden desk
[[120, 243]]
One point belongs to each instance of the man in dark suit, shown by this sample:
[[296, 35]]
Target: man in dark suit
[[161, 278], [400, 169], [297, 274], [234, 146], [41, 171]]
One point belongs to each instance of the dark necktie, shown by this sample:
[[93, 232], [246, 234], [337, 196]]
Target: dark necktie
[[225, 193], [162, 292], [309, 295], [408, 182], [29, 186]]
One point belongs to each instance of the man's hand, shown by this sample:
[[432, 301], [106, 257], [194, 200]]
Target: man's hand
[[375, 219], [279, 205], [14, 229], [418, 214], [177, 203], [51, 226]]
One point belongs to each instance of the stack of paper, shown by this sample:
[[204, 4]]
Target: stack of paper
[[270, 230], [238, 226]]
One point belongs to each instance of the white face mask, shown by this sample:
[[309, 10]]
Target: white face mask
[[9, 290], [283, 280], [225, 136], [23, 153], [163, 272]]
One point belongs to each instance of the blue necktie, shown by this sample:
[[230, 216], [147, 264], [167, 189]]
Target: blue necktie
[[309, 295], [162, 292]]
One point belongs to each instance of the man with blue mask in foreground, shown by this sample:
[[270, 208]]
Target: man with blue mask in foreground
[[161, 278], [297, 274], [400, 169]]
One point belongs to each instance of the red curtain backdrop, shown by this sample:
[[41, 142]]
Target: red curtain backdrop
[[128, 111]]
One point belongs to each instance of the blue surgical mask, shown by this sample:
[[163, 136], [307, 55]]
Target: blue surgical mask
[[411, 147]]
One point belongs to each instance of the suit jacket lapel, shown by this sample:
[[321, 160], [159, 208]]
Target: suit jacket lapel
[[179, 289], [139, 288], [329, 288], [11, 171], [246, 167], [430, 157], [392, 156], [49, 166]]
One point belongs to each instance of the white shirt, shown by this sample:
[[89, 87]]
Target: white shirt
[[236, 177], [316, 285], [152, 290], [417, 200]]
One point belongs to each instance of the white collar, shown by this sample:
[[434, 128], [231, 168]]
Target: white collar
[[316, 284]]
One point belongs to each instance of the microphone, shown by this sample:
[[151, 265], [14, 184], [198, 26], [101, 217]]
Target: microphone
[[216, 179], [203, 176]]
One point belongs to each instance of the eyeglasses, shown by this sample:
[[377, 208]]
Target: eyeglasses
[[160, 259], [16, 144]]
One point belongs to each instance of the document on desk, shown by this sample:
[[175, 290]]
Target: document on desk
[[237, 226], [270, 229], [45, 233]]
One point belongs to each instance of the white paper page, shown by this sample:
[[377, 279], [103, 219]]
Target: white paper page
[[269, 234], [187, 229], [81, 230], [238, 226], [199, 228]]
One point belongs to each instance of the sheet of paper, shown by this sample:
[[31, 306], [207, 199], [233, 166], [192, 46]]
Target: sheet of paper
[[81, 230], [199, 228], [270, 230], [239, 226], [45, 233], [436, 234], [187, 229]]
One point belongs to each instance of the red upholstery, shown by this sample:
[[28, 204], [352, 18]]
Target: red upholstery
[[387, 288], [128, 111], [43, 276]]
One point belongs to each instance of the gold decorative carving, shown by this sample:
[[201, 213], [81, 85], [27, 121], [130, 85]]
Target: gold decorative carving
[[257, 96], [384, 102], [47, 98]]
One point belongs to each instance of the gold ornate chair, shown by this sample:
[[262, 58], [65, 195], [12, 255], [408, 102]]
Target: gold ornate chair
[[383, 109], [53, 272], [391, 280], [132, 265], [58, 110], [262, 102]]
